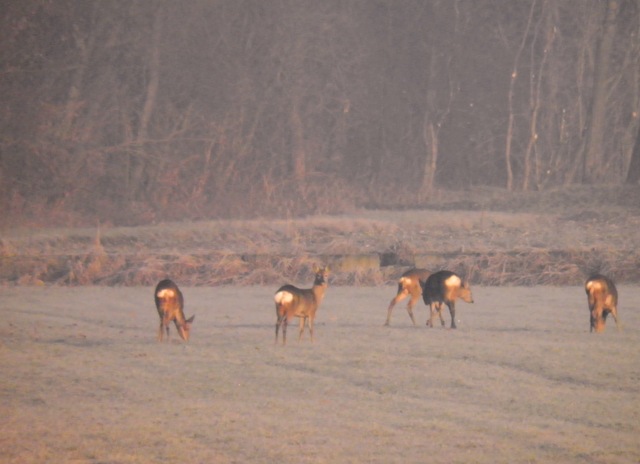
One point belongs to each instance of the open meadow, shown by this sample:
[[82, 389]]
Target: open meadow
[[521, 380]]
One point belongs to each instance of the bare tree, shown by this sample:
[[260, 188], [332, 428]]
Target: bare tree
[[633, 173], [594, 151], [511, 96], [434, 118], [291, 106], [535, 96], [439, 80]]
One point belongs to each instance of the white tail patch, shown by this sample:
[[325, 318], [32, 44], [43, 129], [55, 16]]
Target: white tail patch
[[283, 297], [404, 280], [453, 281], [594, 284], [166, 293]]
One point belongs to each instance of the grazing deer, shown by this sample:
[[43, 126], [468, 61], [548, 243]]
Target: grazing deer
[[445, 287], [409, 284], [170, 306], [302, 303], [603, 299]]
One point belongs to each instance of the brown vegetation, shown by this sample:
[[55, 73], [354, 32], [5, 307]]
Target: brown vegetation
[[551, 238]]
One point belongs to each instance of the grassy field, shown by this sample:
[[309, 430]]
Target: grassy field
[[520, 381]]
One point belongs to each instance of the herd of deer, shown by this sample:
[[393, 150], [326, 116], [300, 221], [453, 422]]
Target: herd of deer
[[436, 289]]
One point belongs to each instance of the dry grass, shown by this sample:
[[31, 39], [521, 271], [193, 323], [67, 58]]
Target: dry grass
[[549, 245], [520, 380]]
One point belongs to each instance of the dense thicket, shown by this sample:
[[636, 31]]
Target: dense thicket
[[132, 111]]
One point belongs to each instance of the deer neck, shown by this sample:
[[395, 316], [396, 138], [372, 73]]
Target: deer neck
[[318, 292]]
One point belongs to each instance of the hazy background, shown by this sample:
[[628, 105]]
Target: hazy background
[[136, 111]]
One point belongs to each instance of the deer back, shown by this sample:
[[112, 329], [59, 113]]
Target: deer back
[[169, 300], [413, 280], [446, 286], [601, 290], [302, 302], [297, 301]]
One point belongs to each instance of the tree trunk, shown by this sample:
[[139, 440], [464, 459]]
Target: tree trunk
[[430, 136], [85, 46], [511, 93], [633, 174], [535, 105], [594, 151], [138, 162], [298, 155]]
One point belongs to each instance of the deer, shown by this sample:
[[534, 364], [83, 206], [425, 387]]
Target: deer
[[444, 287], [302, 303], [409, 284], [170, 306], [602, 296]]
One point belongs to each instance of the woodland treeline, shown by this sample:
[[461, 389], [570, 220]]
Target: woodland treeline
[[132, 111]]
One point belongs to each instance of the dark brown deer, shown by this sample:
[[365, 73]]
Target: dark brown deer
[[170, 306], [301, 303], [603, 299], [409, 284], [445, 287]]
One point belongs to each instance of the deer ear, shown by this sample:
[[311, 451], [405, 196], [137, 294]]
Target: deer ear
[[326, 268], [316, 269]]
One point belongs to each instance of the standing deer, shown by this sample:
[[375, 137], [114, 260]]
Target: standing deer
[[603, 299], [409, 284], [170, 306], [302, 303], [445, 287]]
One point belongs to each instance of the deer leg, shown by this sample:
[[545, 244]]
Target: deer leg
[[614, 313], [439, 310], [410, 305], [285, 323], [431, 314], [596, 320], [311, 321], [397, 299], [160, 331], [278, 324], [452, 312], [165, 324], [302, 319]]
